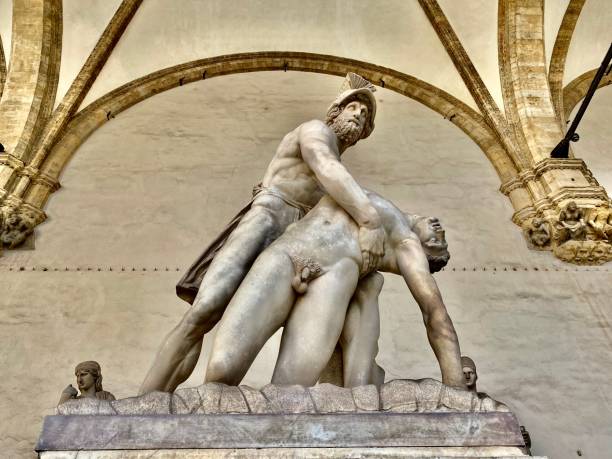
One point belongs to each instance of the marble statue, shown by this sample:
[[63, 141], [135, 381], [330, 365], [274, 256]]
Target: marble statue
[[538, 232], [314, 314], [89, 382], [471, 376], [353, 363], [469, 371], [16, 225], [306, 165], [571, 223], [601, 222]]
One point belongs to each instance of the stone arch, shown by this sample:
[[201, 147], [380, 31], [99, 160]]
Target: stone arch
[[104, 108]]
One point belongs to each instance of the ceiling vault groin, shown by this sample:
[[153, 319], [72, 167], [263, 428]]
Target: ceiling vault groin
[[556, 68], [472, 80]]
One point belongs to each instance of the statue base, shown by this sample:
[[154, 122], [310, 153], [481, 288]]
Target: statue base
[[299, 453], [401, 419], [282, 435]]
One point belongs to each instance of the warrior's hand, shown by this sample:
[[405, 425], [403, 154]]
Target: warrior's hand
[[69, 390], [372, 243]]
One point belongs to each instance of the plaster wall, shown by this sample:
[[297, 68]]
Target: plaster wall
[[150, 188]]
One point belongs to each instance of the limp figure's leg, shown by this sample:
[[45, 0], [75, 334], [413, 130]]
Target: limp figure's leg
[[314, 326], [359, 338], [180, 350], [258, 309]]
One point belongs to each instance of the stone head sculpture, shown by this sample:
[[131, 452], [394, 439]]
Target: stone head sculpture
[[89, 382], [351, 115], [469, 371], [89, 374]]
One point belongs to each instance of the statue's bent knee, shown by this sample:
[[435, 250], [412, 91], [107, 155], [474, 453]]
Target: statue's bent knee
[[374, 281], [219, 368], [203, 312]]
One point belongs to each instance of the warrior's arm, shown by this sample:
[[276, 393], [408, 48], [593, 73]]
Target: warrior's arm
[[317, 145], [319, 151], [414, 268]]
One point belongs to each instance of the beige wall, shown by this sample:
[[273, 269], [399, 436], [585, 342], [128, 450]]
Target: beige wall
[[150, 188]]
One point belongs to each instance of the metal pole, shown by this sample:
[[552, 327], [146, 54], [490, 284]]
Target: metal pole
[[562, 149]]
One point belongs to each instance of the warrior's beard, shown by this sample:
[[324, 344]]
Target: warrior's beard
[[347, 131]]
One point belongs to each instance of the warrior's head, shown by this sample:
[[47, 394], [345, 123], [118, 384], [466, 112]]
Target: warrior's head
[[351, 115]]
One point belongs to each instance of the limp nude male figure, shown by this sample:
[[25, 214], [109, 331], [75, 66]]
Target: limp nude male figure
[[305, 167], [305, 280]]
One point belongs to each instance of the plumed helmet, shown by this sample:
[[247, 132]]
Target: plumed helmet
[[356, 87]]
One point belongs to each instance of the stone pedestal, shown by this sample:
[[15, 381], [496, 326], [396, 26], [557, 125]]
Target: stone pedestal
[[282, 435], [401, 419]]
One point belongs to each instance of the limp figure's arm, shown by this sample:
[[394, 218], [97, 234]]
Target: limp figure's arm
[[320, 152], [414, 268]]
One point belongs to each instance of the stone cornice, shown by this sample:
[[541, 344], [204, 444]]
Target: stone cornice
[[595, 193], [549, 165], [46, 180], [9, 160]]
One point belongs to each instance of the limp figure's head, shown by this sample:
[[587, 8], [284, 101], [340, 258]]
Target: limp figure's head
[[432, 236]]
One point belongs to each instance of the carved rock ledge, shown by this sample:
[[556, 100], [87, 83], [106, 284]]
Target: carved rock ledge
[[398, 396]]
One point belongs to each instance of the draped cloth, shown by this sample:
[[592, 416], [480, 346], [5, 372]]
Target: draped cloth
[[188, 286]]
